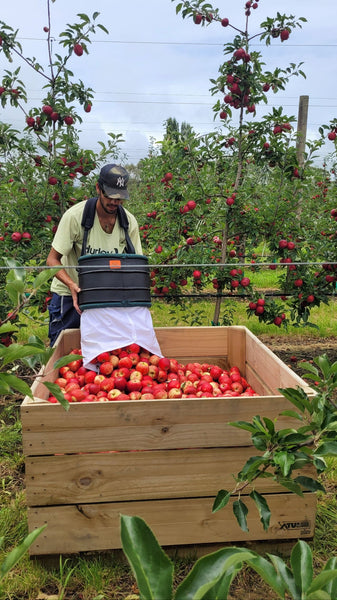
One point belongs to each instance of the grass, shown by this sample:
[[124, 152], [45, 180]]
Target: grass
[[106, 575]]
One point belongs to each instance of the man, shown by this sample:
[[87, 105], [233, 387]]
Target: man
[[106, 235]]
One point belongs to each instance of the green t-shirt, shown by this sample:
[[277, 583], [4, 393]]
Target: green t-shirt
[[68, 242]]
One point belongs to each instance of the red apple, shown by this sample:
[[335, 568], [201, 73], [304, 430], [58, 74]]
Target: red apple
[[113, 394], [164, 364], [120, 382], [153, 371], [125, 361], [78, 49], [147, 396], [90, 376], [175, 393], [108, 384], [142, 367], [106, 368], [133, 386]]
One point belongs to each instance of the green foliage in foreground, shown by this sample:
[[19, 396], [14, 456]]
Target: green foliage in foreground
[[212, 575], [283, 452]]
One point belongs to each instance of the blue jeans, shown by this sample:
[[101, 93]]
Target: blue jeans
[[62, 315]]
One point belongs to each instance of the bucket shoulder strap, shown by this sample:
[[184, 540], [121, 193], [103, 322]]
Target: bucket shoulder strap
[[88, 218]]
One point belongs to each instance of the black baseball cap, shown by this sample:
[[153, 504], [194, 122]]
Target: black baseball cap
[[113, 181]]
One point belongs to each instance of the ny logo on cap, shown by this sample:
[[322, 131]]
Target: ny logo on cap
[[120, 182]]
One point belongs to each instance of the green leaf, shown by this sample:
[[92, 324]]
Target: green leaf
[[286, 576], [262, 507], [243, 425], [14, 290], [221, 500], [15, 555], [251, 467], [17, 351], [331, 586], [301, 563], [150, 565], [291, 413], [208, 571], [270, 425], [16, 384], [221, 589], [6, 327], [240, 511], [325, 581], [268, 573], [327, 449], [298, 397], [309, 484], [260, 442], [291, 485], [65, 360], [44, 276], [285, 460], [55, 390], [319, 595]]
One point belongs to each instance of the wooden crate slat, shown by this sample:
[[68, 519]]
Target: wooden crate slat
[[174, 522], [143, 425], [118, 476], [274, 372], [190, 342]]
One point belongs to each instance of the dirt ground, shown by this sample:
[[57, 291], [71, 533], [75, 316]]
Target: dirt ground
[[294, 350]]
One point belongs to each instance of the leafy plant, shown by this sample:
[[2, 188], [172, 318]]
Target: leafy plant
[[212, 575], [17, 553], [11, 354], [286, 451]]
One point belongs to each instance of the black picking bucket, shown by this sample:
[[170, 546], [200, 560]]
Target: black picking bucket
[[113, 280]]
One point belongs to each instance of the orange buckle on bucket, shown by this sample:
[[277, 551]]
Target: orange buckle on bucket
[[114, 264]]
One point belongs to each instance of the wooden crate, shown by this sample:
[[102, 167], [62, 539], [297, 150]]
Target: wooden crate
[[163, 460]]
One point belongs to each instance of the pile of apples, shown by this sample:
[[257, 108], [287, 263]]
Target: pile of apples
[[133, 373]]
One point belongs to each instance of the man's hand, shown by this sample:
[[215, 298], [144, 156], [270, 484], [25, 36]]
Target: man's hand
[[54, 260]]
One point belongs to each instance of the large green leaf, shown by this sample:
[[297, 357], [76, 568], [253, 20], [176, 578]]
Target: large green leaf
[[286, 576], [15, 555], [326, 580], [331, 586], [16, 352], [150, 565], [221, 589], [240, 511], [262, 507], [208, 571], [44, 276], [301, 563], [268, 573], [319, 595]]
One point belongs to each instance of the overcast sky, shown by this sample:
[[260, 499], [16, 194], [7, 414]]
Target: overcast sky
[[154, 65]]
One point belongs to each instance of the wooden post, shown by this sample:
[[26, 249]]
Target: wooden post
[[302, 129]]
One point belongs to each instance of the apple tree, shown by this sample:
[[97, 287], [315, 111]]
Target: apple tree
[[45, 170], [213, 200]]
